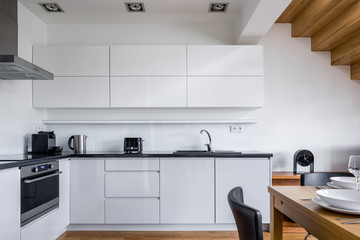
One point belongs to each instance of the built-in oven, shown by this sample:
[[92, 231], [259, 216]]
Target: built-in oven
[[39, 190]]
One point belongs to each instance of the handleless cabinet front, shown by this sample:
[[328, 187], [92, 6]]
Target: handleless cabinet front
[[87, 191], [187, 191]]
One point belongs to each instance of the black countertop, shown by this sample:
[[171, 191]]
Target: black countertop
[[19, 160]]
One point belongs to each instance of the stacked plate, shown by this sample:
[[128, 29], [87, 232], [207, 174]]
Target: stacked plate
[[344, 199], [343, 182]]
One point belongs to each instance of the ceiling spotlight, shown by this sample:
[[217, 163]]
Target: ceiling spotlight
[[51, 7], [135, 7], [218, 7]]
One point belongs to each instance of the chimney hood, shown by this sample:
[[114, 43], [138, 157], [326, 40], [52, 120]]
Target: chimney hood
[[13, 67]]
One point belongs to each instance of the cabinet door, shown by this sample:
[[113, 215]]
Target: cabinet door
[[148, 60], [64, 191], [10, 204], [231, 60], [253, 175], [132, 164], [148, 91], [225, 92], [71, 92], [132, 210], [73, 61], [187, 190], [131, 184], [87, 191]]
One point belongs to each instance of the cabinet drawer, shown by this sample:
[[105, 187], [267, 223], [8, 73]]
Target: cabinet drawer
[[132, 184], [132, 210], [126, 164]]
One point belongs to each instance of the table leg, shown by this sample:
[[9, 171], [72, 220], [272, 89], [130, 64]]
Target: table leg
[[276, 224]]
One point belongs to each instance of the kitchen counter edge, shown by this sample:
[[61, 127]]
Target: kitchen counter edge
[[11, 161]]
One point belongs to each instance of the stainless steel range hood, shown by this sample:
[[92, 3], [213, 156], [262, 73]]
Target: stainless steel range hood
[[11, 66]]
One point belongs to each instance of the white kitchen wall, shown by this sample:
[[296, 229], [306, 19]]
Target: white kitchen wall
[[17, 117], [158, 137], [308, 104]]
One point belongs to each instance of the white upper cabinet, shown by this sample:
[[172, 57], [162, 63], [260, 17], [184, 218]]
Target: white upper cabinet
[[148, 92], [147, 60], [71, 92], [73, 61], [225, 92], [225, 60]]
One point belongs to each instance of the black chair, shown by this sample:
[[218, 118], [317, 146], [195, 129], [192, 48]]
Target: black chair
[[248, 220], [320, 178]]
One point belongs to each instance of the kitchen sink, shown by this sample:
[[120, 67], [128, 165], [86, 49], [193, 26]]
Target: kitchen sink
[[205, 152]]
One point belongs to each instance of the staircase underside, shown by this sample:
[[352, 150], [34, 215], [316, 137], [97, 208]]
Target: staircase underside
[[333, 25]]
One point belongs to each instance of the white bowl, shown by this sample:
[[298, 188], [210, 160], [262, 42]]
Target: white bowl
[[344, 182], [341, 198]]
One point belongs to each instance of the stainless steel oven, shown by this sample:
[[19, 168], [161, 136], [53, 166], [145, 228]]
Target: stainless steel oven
[[39, 190]]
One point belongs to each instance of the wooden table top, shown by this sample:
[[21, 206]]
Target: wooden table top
[[311, 216]]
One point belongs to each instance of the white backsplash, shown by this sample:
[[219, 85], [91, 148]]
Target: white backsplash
[[159, 137]]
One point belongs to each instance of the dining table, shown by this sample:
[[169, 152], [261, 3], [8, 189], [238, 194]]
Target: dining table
[[296, 203]]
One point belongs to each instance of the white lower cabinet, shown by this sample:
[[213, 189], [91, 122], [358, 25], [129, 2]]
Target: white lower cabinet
[[132, 210], [187, 191], [253, 175], [53, 224], [132, 191], [87, 191], [10, 204]]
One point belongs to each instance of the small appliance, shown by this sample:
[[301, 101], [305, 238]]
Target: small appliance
[[77, 143], [44, 143], [133, 145]]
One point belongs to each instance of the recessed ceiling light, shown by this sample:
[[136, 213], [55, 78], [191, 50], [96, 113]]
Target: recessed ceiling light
[[135, 7], [218, 7], [51, 7]]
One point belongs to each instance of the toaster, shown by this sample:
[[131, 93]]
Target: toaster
[[133, 145]]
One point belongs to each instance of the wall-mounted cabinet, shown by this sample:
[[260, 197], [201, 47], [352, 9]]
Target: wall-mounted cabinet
[[225, 92], [148, 92], [150, 76], [142, 60], [81, 77], [72, 92], [73, 61], [224, 60]]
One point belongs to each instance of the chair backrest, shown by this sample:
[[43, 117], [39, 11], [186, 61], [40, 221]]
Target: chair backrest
[[248, 220], [320, 178]]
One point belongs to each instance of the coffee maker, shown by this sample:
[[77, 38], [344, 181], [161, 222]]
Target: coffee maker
[[44, 143]]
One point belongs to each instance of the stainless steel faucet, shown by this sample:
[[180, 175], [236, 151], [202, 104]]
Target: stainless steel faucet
[[208, 145]]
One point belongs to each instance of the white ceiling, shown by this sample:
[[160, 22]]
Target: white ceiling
[[114, 12]]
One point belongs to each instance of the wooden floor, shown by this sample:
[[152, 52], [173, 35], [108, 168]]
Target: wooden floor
[[112, 235]]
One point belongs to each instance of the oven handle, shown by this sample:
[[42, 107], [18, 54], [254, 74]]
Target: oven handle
[[44, 177]]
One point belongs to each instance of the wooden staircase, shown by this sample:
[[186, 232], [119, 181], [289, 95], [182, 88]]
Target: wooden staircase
[[333, 25]]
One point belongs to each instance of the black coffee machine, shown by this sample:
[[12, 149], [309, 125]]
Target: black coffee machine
[[44, 143]]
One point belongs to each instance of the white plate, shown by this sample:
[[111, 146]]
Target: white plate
[[341, 198], [331, 184], [344, 182], [323, 204]]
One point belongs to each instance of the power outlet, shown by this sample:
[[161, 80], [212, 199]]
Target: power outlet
[[40, 127], [235, 128]]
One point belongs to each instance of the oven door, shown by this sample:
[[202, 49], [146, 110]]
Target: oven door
[[39, 195]]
